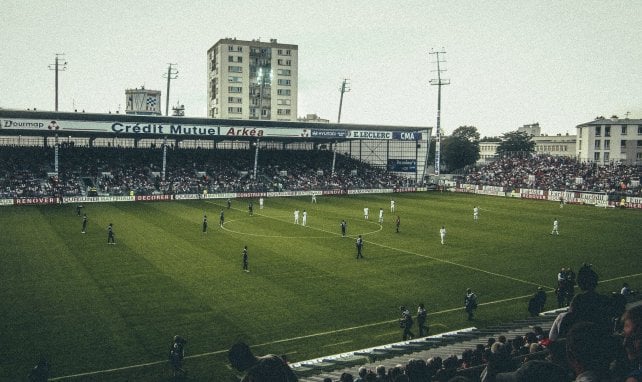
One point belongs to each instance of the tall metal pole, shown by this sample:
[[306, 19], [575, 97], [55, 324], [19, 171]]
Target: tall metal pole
[[56, 148], [345, 87], [439, 82], [164, 157], [171, 74], [256, 158], [58, 66]]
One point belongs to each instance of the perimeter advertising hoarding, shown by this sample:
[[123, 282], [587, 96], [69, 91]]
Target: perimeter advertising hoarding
[[402, 165]]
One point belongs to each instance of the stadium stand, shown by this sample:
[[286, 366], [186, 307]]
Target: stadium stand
[[25, 172], [558, 173]]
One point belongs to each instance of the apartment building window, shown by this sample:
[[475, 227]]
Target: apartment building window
[[286, 102], [598, 131], [234, 59], [234, 100], [639, 156], [597, 145], [235, 69], [234, 89], [283, 111], [234, 79], [623, 143], [230, 48], [606, 157], [607, 144], [623, 129], [639, 143], [596, 156], [283, 92], [235, 110], [284, 72], [639, 129], [607, 131], [283, 82]]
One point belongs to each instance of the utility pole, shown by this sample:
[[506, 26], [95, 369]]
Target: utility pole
[[345, 87], [59, 65], [439, 82], [171, 74]]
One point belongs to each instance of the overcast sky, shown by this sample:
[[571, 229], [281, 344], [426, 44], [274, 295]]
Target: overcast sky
[[510, 63]]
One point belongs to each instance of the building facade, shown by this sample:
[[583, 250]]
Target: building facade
[[556, 145], [607, 140], [143, 101], [252, 80]]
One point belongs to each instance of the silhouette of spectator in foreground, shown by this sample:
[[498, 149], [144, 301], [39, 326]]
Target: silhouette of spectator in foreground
[[40, 372], [268, 368]]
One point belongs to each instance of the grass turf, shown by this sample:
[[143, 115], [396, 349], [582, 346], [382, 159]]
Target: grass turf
[[89, 307]]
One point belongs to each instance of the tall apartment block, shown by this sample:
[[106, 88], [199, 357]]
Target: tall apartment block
[[252, 80]]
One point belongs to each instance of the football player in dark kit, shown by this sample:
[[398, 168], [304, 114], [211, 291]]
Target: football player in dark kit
[[84, 223], [359, 244], [250, 208], [78, 209], [229, 203], [204, 223], [222, 218], [245, 260], [344, 225], [406, 323], [110, 234]]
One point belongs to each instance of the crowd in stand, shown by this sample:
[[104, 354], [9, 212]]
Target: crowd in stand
[[557, 173], [27, 171], [596, 340]]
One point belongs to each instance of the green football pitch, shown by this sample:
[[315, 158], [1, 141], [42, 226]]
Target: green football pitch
[[102, 312]]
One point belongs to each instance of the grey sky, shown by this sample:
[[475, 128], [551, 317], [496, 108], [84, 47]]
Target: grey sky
[[559, 63]]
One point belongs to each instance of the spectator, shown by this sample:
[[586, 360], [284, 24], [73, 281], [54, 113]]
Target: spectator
[[588, 305], [589, 351], [534, 371], [632, 336], [381, 374], [40, 372], [267, 368]]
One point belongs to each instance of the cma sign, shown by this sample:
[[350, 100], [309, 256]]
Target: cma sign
[[407, 135]]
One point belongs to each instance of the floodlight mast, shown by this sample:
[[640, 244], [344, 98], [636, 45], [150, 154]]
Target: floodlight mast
[[59, 65], [439, 82], [171, 74], [345, 87]]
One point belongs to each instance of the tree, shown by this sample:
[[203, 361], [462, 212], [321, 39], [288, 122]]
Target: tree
[[461, 148], [515, 142]]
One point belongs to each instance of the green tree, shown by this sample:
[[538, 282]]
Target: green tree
[[515, 143], [461, 148]]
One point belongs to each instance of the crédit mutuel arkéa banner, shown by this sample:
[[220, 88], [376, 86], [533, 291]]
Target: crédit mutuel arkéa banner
[[157, 128]]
